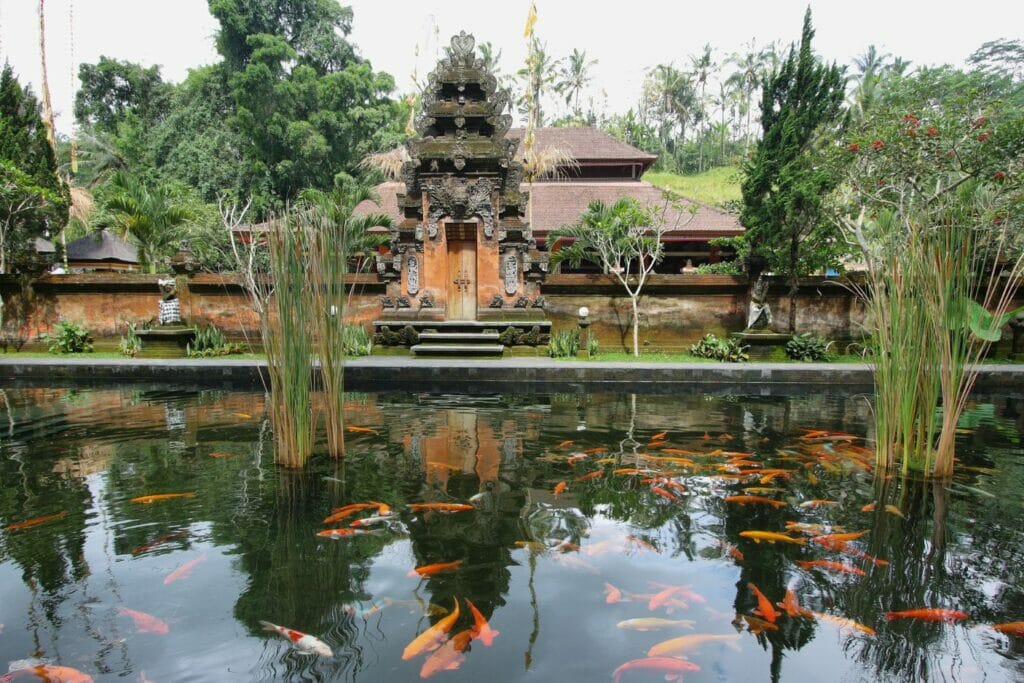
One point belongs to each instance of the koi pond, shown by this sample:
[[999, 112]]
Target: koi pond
[[149, 536]]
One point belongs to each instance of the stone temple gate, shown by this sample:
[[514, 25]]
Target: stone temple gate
[[463, 270]]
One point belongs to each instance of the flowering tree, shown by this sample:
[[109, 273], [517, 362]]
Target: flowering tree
[[934, 199]]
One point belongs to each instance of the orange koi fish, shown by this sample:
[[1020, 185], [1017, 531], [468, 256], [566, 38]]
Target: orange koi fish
[[161, 496], [432, 638], [440, 507], [630, 471], [790, 604], [599, 449], [596, 474], [184, 571], [746, 500], [810, 529], [154, 544], [341, 533], [893, 510], [678, 451], [684, 591], [762, 489], [145, 623], [758, 626], [664, 494], [244, 416], [732, 551], [219, 454], [559, 488], [771, 537], [660, 598], [481, 630], [841, 622], [370, 521], [575, 459], [436, 568], [933, 614], [678, 646], [764, 605], [672, 668], [35, 521], [361, 430], [303, 642], [838, 567], [836, 538], [1013, 628], [869, 507], [449, 656], [659, 435], [612, 594], [706, 437], [565, 444], [49, 673], [338, 514], [817, 502]]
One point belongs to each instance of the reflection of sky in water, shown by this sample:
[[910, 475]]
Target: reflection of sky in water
[[255, 525]]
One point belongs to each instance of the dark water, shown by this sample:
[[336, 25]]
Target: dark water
[[534, 563]]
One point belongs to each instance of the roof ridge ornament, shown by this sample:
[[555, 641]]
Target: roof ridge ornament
[[462, 48]]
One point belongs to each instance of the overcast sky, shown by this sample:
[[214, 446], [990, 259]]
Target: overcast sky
[[626, 38]]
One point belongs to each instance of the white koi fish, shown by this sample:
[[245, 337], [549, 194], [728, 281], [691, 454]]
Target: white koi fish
[[303, 642]]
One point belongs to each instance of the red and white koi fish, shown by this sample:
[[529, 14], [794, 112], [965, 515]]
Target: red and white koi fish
[[49, 673], [304, 643], [481, 630], [146, 623]]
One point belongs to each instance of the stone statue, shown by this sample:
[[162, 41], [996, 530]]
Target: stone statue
[[170, 308], [759, 317]]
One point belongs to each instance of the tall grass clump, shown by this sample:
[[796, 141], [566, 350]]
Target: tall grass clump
[[286, 329], [934, 201]]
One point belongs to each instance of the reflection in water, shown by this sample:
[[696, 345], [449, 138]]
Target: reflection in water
[[642, 535]]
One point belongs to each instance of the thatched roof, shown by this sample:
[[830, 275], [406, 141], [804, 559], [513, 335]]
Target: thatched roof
[[102, 246]]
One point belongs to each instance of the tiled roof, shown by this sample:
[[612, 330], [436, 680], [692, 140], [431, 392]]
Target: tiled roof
[[584, 144], [558, 203], [101, 246]]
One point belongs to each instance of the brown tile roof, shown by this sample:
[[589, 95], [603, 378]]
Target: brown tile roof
[[101, 246], [558, 203], [584, 144]]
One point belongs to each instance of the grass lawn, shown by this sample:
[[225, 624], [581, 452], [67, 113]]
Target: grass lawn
[[714, 186]]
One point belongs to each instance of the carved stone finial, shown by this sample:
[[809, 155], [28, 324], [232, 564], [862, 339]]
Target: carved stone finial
[[462, 45]]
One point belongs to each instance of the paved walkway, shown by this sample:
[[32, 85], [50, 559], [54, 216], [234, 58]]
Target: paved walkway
[[463, 374]]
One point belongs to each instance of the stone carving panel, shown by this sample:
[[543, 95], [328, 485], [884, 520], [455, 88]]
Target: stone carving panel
[[412, 275], [510, 273], [461, 199]]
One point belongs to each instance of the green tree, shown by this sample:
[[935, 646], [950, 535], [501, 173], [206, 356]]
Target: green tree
[[33, 200], [671, 99], [113, 91], [783, 188], [751, 67], [623, 238], [538, 75], [151, 215], [573, 78], [703, 66]]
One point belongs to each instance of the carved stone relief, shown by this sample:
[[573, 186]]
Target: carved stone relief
[[460, 198], [412, 266], [510, 273]]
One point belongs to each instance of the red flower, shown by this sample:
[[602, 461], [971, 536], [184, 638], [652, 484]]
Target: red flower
[[932, 131], [999, 175], [979, 122], [854, 147], [912, 132], [911, 119], [982, 136], [877, 145]]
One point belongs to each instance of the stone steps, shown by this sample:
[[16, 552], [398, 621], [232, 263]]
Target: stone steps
[[460, 337], [458, 349]]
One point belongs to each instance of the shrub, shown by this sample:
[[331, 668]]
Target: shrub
[[728, 350], [564, 344], [130, 344], [355, 340], [210, 342], [808, 347], [720, 268], [592, 346], [69, 337]]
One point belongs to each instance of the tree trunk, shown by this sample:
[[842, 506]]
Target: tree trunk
[[794, 252], [636, 326]]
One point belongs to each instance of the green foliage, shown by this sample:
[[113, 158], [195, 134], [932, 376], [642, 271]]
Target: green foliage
[[68, 337], [130, 344], [784, 185], [593, 345], [210, 342], [356, 340], [564, 344], [149, 214], [33, 201], [113, 91], [720, 268], [726, 350], [808, 347]]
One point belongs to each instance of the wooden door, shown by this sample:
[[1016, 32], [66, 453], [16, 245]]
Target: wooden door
[[461, 280]]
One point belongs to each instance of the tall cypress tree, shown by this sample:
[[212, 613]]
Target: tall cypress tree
[[783, 188]]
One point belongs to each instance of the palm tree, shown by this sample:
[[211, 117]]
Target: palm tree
[[538, 75], [751, 65], [871, 67], [672, 96], [702, 67], [148, 214], [575, 76]]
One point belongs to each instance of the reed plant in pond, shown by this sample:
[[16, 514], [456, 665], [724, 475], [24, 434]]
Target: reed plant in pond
[[934, 201]]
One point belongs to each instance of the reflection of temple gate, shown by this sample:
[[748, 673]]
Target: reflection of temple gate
[[461, 280]]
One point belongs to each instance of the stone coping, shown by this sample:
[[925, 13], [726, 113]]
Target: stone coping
[[486, 376]]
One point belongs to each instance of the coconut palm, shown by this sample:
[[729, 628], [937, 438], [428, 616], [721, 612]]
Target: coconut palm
[[149, 214], [538, 75], [751, 65], [575, 76], [671, 95], [703, 65]]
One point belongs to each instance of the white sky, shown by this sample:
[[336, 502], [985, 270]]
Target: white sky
[[626, 38]]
